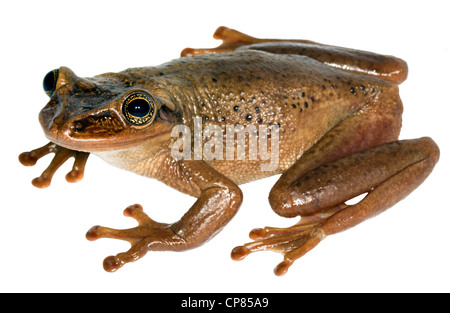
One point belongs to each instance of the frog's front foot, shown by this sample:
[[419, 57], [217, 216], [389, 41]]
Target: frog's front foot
[[292, 242], [61, 156], [149, 235]]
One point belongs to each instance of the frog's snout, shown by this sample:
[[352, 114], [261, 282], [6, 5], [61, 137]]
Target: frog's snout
[[48, 115]]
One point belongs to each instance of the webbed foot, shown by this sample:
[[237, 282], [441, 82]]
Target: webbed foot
[[61, 156], [292, 242], [149, 235]]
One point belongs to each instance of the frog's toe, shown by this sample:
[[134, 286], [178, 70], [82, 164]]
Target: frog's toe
[[114, 262], [137, 212], [77, 172], [146, 227], [61, 156], [30, 158], [27, 159]]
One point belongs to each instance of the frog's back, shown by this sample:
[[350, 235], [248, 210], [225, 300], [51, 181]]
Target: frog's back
[[301, 96]]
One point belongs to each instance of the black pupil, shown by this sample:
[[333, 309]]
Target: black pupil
[[50, 80], [139, 108]]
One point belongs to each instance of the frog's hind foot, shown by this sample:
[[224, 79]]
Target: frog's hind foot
[[292, 242], [61, 156], [231, 39]]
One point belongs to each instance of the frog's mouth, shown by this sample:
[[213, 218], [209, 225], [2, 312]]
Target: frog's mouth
[[96, 131]]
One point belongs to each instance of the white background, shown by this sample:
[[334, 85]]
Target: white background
[[43, 248]]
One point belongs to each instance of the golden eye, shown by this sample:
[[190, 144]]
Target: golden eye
[[50, 81], [139, 108]]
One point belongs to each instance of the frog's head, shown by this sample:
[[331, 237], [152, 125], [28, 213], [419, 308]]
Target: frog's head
[[102, 113]]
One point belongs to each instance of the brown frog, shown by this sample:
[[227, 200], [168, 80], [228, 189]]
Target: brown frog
[[328, 118]]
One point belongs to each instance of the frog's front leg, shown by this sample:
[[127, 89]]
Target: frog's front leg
[[61, 156], [218, 200], [387, 172]]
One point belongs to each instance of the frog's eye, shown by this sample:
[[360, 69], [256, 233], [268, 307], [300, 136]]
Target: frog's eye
[[50, 81], [139, 108]]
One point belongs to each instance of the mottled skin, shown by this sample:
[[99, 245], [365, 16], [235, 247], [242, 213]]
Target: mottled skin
[[338, 113]]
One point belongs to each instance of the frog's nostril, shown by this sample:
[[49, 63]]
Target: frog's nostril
[[77, 126]]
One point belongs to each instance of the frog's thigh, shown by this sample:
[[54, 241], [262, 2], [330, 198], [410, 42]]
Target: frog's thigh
[[387, 172], [358, 132]]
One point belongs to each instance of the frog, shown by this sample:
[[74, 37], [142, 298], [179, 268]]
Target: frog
[[334, 112]]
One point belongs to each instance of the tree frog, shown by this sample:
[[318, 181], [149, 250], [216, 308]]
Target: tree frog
[[324, 117]]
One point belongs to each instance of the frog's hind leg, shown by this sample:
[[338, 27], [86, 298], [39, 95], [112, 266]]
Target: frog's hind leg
[[388, 173], [231, 40], [360, 62], [359, 155]]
